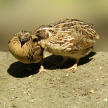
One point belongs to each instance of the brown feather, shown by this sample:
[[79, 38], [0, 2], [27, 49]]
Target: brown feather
[[68, 36], [30, 52]]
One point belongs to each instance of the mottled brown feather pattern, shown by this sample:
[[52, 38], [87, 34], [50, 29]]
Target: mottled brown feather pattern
[[68, 36], [30, 52]]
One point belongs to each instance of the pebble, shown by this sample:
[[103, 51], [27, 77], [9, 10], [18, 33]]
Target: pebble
[[106, 99], [67, 74], [91, 91]]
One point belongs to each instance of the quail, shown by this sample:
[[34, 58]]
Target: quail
[[25, 48], [70, 38]]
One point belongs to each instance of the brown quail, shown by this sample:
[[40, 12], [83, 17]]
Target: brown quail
[[69, 38], [24, 48]]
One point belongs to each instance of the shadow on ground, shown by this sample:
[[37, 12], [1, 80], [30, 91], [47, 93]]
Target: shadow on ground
[[20, 70], [51, 61]]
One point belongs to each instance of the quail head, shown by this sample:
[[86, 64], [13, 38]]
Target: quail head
[[25, 48]]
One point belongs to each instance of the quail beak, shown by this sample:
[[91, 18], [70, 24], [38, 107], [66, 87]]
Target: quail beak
[[22, 40], [34, 37]]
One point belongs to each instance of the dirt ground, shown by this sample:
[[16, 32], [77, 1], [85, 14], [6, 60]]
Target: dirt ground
[[21, 86]]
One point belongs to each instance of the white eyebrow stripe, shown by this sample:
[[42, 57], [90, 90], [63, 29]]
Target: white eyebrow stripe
[[46, 28]]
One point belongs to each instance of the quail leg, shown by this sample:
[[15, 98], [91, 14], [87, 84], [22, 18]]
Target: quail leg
[[74, 67], [60, 63], [41, 68]]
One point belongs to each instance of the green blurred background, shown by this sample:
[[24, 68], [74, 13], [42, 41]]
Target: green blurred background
[[17, 15]]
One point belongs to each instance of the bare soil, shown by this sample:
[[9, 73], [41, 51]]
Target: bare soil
[[21, 86]]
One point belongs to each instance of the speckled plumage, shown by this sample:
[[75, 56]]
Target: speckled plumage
[[69, 38], [28, 51]]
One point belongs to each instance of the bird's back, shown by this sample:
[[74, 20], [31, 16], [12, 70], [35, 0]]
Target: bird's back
[[69, 35]]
